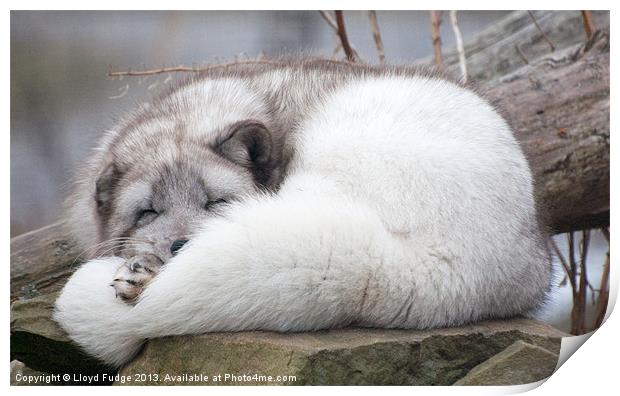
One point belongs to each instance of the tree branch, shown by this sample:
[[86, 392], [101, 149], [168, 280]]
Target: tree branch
[[588, 23], [542, 32], [330, 21], [376, 34], [177, 69], [459, 45], [436, 36], [603, 296], [342, 33]]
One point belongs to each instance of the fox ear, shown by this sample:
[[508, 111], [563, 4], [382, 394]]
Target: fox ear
[[104, 186], [249, 144]]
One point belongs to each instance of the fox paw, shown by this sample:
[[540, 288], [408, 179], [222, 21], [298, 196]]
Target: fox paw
[[133, 276]]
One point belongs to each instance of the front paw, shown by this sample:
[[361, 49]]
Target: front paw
[[133, 276]]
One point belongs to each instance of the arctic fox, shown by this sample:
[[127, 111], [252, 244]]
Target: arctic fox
[[300, 195]]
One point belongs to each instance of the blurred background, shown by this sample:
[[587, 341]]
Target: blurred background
[[62, 101]]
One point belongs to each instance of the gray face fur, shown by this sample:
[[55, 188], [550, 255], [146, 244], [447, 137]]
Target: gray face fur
[[156, 203], [172, 188], [173, 166]]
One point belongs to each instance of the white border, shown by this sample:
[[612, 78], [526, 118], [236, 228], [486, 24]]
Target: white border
[[591, 370]]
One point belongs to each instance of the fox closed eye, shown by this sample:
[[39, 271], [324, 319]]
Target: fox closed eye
[[145, 216], [210, 204]]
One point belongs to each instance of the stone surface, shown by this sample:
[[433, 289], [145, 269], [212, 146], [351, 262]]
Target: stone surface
[[336, 357], [25, 376], [520, 363], [42, 345]]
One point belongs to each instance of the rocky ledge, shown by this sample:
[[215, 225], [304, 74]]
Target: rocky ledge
[[506, 352]]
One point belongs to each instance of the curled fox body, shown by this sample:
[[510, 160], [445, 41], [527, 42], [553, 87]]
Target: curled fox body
[[298, 196]]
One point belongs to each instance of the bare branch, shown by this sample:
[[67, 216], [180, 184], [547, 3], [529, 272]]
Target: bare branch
[[560, 256], [603, 296], [603, 289], [579, 306], [459, 45], [436, 36], [330, 21], [342, 33], [521, 54], [588, 23], [572, 261], [180, 68], [605, 231], [376, 34], [547, 39], [185, 69]]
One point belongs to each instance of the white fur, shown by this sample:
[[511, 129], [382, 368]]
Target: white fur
[[409, 204]]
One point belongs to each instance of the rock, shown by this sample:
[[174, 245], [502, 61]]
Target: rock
[[41, 261], [336, 357], [520, 363], [22, 375], [37, 341]]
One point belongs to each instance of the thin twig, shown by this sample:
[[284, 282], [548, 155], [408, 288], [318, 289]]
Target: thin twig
[[571, 260], [521, 54], [547, 39], [588, 23], [563, 281], [436, 36], [573, 270], [459, 45], [577, 268], [332, 24], [560, 256], [180, 68], [603, 295], [174, 69], [376, 34], [605, 231], [603, 289], [583, 283], [342, 33], [330, 21]]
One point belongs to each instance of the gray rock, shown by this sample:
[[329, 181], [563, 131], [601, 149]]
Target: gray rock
[[336, 357], [42, 345], [22, 375], [520, 363]]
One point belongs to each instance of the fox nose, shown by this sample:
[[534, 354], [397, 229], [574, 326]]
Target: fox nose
[[177, 245]]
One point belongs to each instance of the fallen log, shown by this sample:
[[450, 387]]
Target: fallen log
[[515, 41], [352, 356], [559, 110], [41, 260]]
